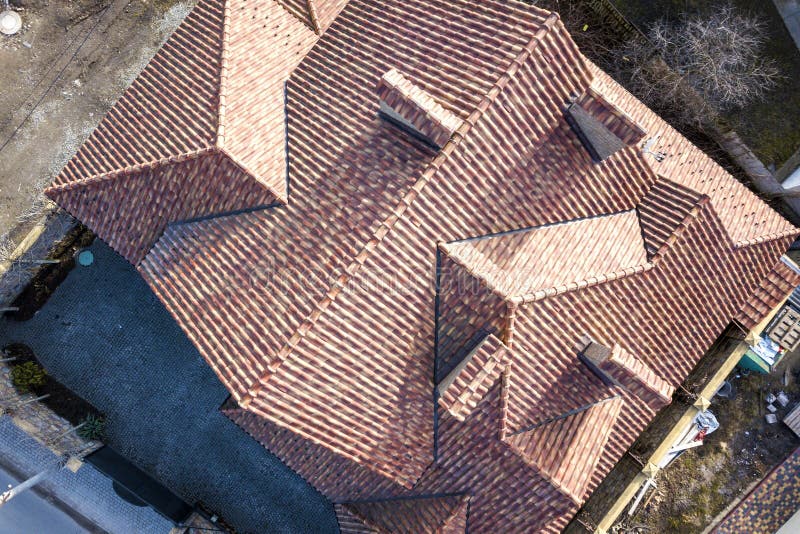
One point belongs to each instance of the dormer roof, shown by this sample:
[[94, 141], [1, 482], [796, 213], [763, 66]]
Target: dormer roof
[[615, 365], [523, 263], [414, 109], [565, 449], [316, 14], [462, 389], [200, 132]]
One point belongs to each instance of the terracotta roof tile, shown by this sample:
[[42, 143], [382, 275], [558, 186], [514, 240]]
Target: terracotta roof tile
[[467, 384], [169, 110], [639, 378], [774, 289], [323, 315], [615, 365], [434, 514], [613, 118], [663, 210], [190, 109], [566, 449], [316, 14], [747, 219], [417, 108], [522, 263]]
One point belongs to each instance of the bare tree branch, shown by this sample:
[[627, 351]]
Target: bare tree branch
[[698, 66]]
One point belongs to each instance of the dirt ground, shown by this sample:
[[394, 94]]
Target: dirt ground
[[703, 481], [60, 74]]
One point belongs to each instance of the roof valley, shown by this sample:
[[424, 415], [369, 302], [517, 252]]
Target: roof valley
[[387, 225]]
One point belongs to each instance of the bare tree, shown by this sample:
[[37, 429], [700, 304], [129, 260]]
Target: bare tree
[[697, 66]]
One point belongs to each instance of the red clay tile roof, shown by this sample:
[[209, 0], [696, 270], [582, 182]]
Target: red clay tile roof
[[185, 140], [662, 211], [617, 366], [746, 218], [435, 514], [636, 376], [316, 14], [520, 264], [465, 386], [333, 317], [416, 107], [566, 449], [601, 126], [616, 120], [774, 289]]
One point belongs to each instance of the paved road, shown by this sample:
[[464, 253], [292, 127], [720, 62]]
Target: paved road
[[88, 493], [105, 335], [28, 513]]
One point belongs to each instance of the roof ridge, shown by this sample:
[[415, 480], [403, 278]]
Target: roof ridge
[[693, 213], [280, 199], [405, 202], [568, 413], [312, 15], [96, 178], [791, 232], [223, 74], [580, 284]]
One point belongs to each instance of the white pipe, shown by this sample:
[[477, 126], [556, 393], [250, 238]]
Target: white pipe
[[642, 491], [28, 484]]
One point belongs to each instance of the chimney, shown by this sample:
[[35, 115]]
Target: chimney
[[616, 366], [412, 109], [601, 126]]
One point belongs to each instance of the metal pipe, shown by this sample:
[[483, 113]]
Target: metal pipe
[[31, 482], [29, 401], [52, 440], [645, 487]]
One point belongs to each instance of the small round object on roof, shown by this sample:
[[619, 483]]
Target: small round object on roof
[[85, 258], [10, 22]]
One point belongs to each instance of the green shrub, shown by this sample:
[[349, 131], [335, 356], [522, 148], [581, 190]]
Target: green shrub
[[93, 429], [28, 376]]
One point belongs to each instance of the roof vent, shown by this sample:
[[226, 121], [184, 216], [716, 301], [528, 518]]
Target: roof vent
[[601, 126], [412, 109]]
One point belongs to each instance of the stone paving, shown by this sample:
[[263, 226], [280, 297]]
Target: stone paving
[[87, 491], [105, 335]]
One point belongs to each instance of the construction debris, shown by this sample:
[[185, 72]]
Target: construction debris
[[771, 418], [783, 399], [772, 408]]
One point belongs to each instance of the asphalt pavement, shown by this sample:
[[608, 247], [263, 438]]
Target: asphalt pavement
[[28, 512]]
